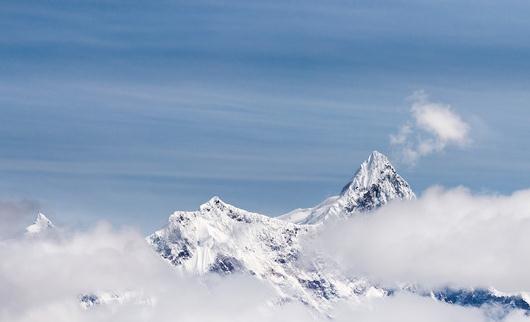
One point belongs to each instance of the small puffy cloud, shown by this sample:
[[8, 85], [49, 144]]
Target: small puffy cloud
[[434, 126], [444, 238]]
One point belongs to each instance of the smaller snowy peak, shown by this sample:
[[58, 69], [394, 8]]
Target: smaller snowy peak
[[199, 238], [40, 225], [223, 239]]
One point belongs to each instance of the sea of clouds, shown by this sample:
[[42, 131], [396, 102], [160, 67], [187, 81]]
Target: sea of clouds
[[446, 237]]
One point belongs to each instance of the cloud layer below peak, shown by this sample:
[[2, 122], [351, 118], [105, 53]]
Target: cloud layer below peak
[[444, 238]]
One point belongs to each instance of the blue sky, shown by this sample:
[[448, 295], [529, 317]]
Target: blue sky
[[126, 111]]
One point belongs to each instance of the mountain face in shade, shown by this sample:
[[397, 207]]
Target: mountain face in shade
[[41, 225], [223, 239], [375, 183]]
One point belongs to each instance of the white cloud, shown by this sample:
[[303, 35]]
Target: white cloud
[[434, 126], [446, 237], [41, 280]]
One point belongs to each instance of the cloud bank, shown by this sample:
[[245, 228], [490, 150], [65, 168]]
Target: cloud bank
[[43, 279], [434, 127], [444, 238]]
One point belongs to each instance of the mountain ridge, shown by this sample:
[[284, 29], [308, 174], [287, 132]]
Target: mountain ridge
[[222, 239]]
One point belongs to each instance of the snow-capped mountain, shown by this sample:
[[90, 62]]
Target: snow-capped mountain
[[224, 239], [41, 225], [375, 183]]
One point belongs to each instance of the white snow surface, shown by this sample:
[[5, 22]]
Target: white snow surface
[[223, 239], [41, 225], [375, 183]]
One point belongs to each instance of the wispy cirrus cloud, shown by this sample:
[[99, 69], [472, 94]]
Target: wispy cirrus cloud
[[434, 127]]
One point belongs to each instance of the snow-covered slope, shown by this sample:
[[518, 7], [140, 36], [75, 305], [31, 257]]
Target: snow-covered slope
[[41, 225], [375, 183], [224, 239]]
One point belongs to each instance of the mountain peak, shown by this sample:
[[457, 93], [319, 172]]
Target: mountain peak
[[377, 158], [376, 154], [375, 183], [40, 225], [214, 203], [371, 171]]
